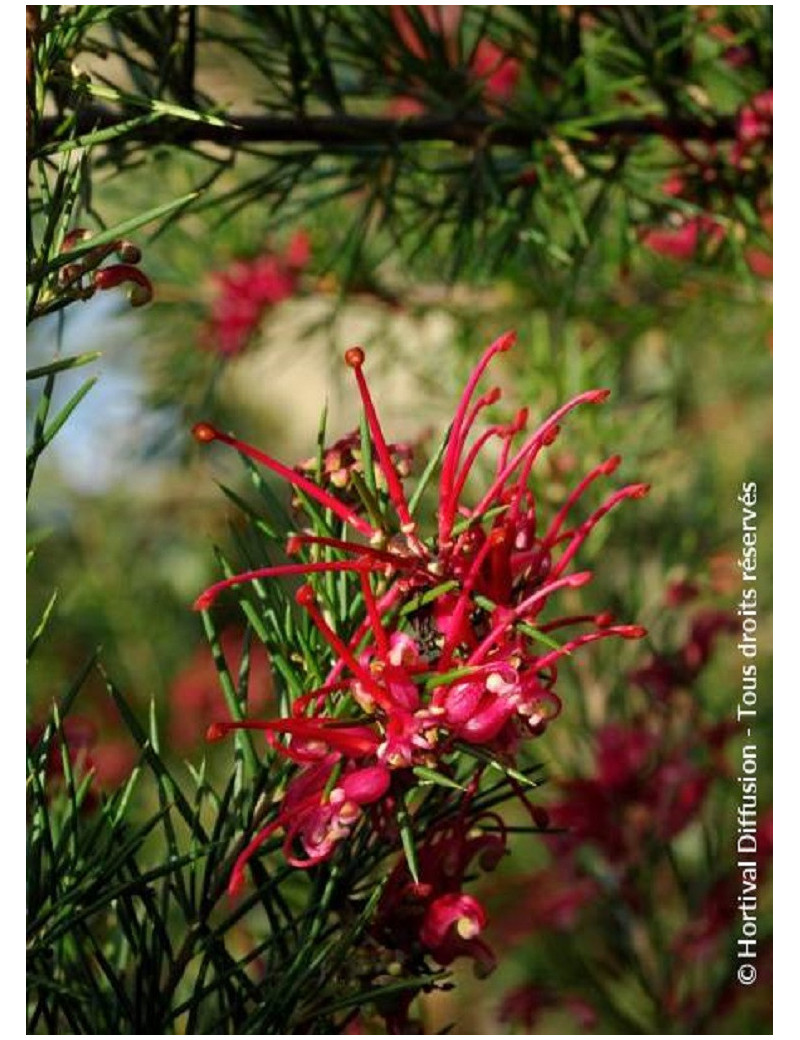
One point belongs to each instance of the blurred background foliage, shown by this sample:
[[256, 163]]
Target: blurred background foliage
[[416, 180]]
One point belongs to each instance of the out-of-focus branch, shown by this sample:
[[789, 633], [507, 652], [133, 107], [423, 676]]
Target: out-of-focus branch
[[345, 130]]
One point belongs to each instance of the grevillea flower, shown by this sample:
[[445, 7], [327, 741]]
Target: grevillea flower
[[753, 128], [709, 179], [638, 791], [321, 806], [448, 651], [666, 673], [246, 290], [433, 912], [615, 865], [683, 241]]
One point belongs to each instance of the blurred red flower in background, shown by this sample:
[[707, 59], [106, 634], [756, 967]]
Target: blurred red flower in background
[[246, 290], [526, 1004], [110, 760], [716, 167], [196, 699], [487, 63], [614, 863], [682, 241]]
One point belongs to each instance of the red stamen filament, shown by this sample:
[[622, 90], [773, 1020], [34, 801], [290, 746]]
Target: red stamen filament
[[321, 729], [487, 399], [205, 432], [447, 499], [305, 597], [604, 469], [625, 631], [576, 619], [383, 604], [477, 447], [237, 874], [484, 401], [462, 604], [582, 533], [318, 696], [536, 441], [207, 598], [355, 359], [510, 617], [381, 640], [391, 559], [511, 432]]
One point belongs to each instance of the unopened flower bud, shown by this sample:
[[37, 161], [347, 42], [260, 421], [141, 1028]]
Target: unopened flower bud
[[128, 252]]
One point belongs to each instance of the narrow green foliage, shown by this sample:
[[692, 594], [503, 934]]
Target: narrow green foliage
[[62, 365]]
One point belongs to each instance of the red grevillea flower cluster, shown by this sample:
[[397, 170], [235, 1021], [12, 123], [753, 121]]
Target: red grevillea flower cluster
[[451, 651], [247, 289], [715, 170], [615, 862]]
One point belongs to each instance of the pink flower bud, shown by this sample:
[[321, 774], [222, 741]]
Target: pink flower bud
[[366, 785]]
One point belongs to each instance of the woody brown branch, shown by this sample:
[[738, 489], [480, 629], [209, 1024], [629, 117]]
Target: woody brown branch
[[347, 130]]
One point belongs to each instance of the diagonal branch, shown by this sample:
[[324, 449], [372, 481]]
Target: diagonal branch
[[342, 130]]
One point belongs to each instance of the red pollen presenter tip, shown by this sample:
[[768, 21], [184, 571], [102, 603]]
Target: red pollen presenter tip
[[354, 357], [610, 465], [305, 596], [506, 341], [204, 432]]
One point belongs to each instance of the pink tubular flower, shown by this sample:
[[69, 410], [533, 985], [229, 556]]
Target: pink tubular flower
[[636, 792], [246, 290], [317, 812], [434, 913], [663, 674], [499, 71], [754, 126], [110, 277], [451, 920]]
